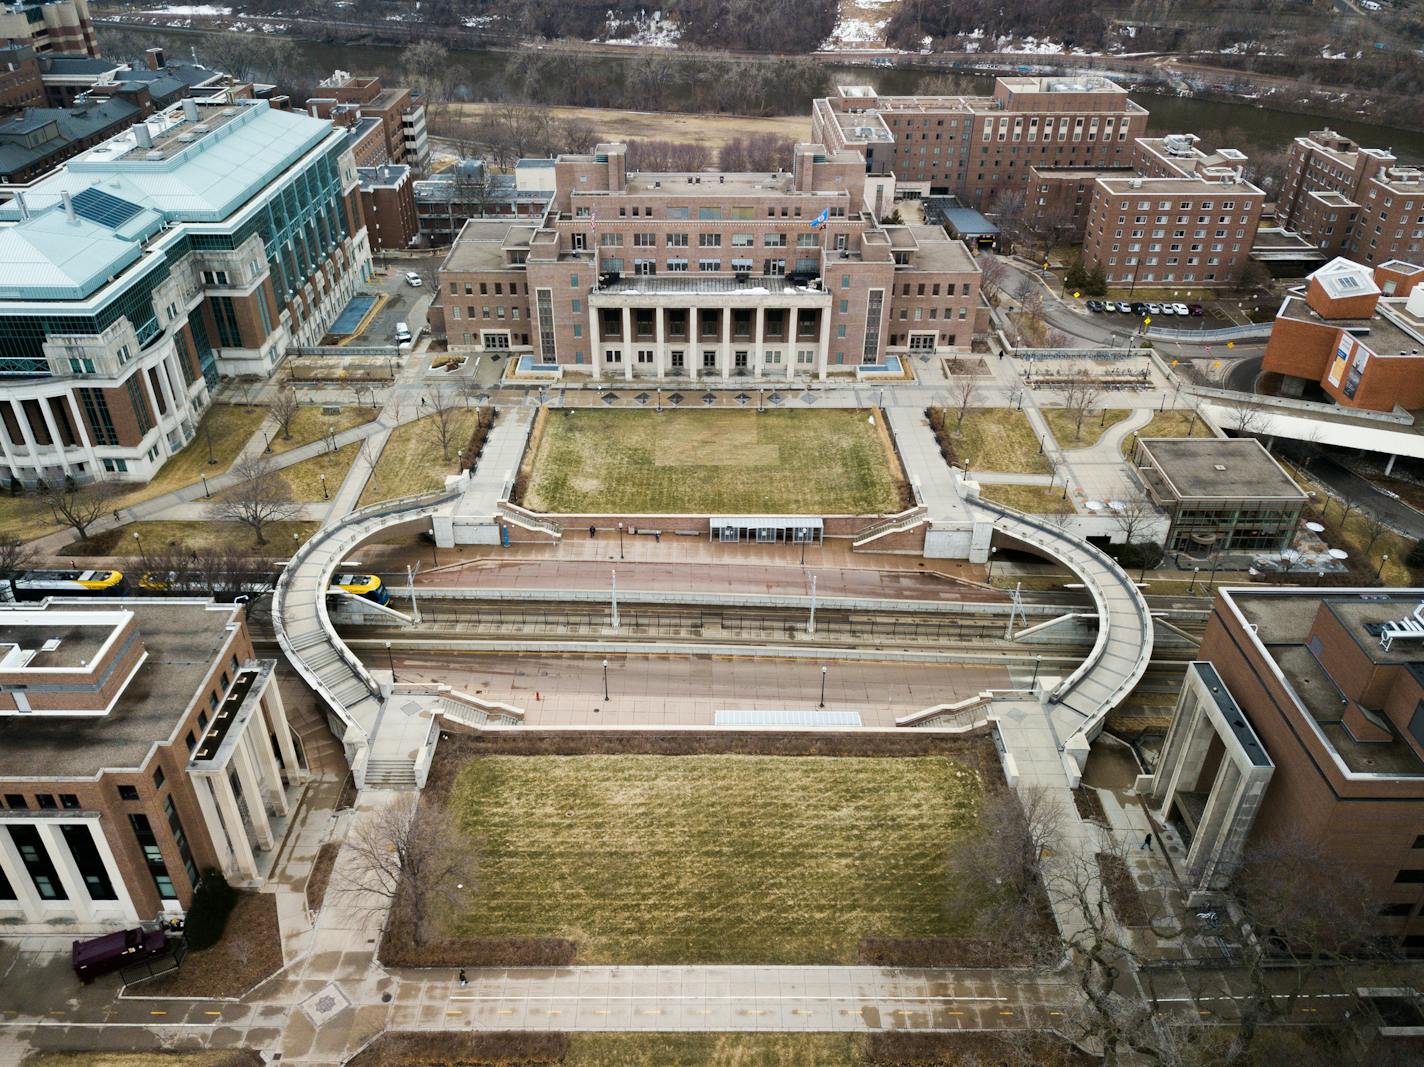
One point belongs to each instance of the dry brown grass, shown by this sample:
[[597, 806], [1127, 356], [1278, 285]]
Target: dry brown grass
[[711, 130], [250, 951], [320, 877], [312, 424], [1169, 424], [153, 1058], [1034, 499], [195, 534], [1068, 433], [412, 461]]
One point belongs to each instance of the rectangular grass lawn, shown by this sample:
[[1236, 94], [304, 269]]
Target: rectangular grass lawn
[[711, 859], [831, 462]]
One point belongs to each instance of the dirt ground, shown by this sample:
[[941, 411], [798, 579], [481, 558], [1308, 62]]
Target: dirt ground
[[711, 130]]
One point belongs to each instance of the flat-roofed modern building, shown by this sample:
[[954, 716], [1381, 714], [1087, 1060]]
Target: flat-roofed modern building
[[709, 275], [975, 146], [1305, 717], [50, 26], [204, 241], [141, 742], [1221, 494]]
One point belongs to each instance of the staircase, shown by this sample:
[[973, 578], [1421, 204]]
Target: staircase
[[390, 774], [898, 523]]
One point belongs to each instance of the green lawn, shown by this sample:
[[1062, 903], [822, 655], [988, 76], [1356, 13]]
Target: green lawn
[[711, 859], [701, 462], [1069, 434]]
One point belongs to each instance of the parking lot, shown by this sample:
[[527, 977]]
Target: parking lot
[[403, 301]]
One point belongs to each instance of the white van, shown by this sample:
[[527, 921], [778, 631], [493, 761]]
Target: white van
[[402, 333]]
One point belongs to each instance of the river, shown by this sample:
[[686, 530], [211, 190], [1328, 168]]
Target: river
[[1263, 129]]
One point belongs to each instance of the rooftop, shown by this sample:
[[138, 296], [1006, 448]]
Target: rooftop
[[183, 639], [36, 134], [387, 174], [938, 251], [1199, 185], [1395, 334], [1207, 468], [680, 183], [38, 639], [1343, 278], [481, 243]]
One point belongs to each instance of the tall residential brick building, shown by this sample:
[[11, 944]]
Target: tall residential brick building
[[141, 743], [1305, 717], [1352, 201], [978, 147], [206, 240], [388, 125], [1355, 334], [388, 206], [50, 26], [691, 275]]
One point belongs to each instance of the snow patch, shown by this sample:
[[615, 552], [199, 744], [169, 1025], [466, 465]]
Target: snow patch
[[649, 29], [854, 31], [188, 9]]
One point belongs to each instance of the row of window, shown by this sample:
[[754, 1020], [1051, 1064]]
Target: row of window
[[708, 214], [708, 240]]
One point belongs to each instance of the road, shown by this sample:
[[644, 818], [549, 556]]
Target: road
[[1352, 487]]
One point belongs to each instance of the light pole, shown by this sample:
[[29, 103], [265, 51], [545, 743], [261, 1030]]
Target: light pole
[[620, 540], [391, 661], [1195, 571], [605, 680], [207, 493], [138, 543], [989, 577], [324, 494], [811, 620], [802, 538], [268, 438], [1379, 570], [615, 600], [822, 704]]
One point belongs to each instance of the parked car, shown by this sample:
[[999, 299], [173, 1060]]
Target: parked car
[[101, 955], [402, 334], [1095, 305], [1168, 309], [1137, 307], [1154, 309], [1196, 310], [1181, 309], [413, 279]]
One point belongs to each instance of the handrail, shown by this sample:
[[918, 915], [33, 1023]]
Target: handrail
[[1227, 333]]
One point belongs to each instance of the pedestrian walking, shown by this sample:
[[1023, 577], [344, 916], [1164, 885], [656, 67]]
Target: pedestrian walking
[[463, 980], [1147, 842], [592, 533]]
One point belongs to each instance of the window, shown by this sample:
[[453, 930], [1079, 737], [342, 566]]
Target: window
[[610, 240], [1413, 876], [46, 801], [216, 278], [128, 792], [35, 857], [152, 856], [677, 240], [645, 240], [158, 778], [709, 240], [80, 842], [175, 827], [190, 741], [68, 801]]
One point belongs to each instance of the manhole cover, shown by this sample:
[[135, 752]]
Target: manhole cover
[[743, 399], [642, 398], [675, 399], [325, 1003], [709, 398], [609, 398]]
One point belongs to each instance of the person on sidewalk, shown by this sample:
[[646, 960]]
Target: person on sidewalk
[[1147, 842], [463, 980]]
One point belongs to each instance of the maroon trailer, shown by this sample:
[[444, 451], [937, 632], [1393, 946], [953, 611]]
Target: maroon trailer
[[100, 955]]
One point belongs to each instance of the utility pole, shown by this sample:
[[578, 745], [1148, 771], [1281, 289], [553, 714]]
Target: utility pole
[[615, 598], [822, 704], [410, 580], [811, 621]]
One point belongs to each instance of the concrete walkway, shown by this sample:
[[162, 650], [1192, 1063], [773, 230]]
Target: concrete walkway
[[925, 466]]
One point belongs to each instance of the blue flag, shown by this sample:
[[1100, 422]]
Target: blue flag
[[820, 220]]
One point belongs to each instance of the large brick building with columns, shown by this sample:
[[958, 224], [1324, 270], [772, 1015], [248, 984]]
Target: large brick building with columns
[[204, 241], [708, 275], [141, 743]]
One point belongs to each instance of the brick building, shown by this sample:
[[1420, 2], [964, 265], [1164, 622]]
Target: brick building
[[977, 147], [1185, 217], [50, 26], [689, 275], [1308, 719], [35, 140], [20, 82], [1351, 201], [445, 202], [397, 134], [141, 742], [1354, 334], [206, 240], [388, 206]]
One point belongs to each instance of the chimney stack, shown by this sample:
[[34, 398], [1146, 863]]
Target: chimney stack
[[143, 136], [68, 206], [190, 109], [154, 59], [20, 203]]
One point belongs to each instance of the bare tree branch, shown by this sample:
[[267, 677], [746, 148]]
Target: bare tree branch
[[260, 498], [283, 409], [79, 507]]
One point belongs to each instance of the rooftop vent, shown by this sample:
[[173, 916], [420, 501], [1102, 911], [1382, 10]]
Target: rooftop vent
[[186, 138], [51, 645], [154, 156], [1220, 466]]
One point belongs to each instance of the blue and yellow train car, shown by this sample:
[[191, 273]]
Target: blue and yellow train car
[[368, 586], [36, 585]]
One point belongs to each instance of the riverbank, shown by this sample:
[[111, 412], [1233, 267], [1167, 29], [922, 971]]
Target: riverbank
[[1182, 97]]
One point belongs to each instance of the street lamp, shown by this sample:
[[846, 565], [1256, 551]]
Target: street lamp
[[1195, 571], [324, 494], [990, 575], [605, 680], [391, 661], [268, 438], [620, 540], [207, 493], [822, 704], [1379, 570]]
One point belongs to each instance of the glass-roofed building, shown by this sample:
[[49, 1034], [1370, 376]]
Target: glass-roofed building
[[202, 243]]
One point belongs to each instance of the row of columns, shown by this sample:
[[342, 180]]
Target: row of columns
[[693, 349], [78, 905], [259, 780]]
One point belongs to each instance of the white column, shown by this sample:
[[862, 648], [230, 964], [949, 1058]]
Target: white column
[[727, 342], [823, 351], [793, 317], [202, 789], [52, 425], [277, 719], [759, 342], [627, 342], [694, 351], [252, 793], [660, 356], [243, 858], [17, 407], [19, 878], [166, 388], [153, 408], [111, 868], [265, 760], [10, 459], [596, 341], [67, 869], [81, 431]]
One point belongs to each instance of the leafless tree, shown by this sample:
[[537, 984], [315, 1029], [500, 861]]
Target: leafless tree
[[283, 409], [79, 506], [1059, 512], [1134, 516], [15, 556], [407, 857], [993, 274], [260, 498], [1373, 527], [961, 392], [444, 419], [1080, 396], [1249, 416]]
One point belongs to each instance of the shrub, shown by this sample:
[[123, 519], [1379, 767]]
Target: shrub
[[1138, 554], [1416, 555], [213, 901], [1076, 278], [1097, 283]]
